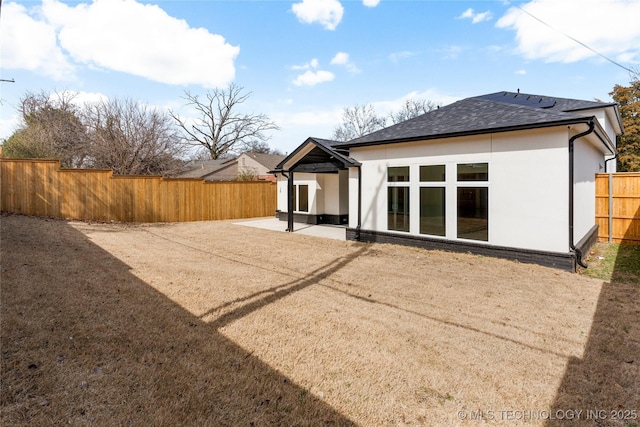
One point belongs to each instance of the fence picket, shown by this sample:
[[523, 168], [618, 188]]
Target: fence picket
[[625, 215], [43, 188]]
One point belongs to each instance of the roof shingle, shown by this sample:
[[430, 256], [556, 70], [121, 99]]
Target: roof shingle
[[487, 113]]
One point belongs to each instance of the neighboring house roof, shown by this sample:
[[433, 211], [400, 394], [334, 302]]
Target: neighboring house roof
[[269, 161], [496, 112], [201, 169]]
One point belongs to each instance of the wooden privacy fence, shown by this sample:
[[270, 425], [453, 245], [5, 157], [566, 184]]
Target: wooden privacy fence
[[619, 213], [42, 188]]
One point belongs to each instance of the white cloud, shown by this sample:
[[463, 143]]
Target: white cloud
[[521, 72], [610, 27], [452, 52], [312, 78], [398, 56], [370, 3], [466, 14], [476, 17], [30, 44], [342, 58], [9, 125], [81, 98], [327, 12], [108, 34], [314, 118], [308, 66]]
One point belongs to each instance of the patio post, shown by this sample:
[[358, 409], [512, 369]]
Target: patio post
[[290, 207]]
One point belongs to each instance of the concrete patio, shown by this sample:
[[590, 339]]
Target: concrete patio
[[336, 232]]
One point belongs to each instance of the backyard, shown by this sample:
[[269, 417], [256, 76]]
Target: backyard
[[212, 323]]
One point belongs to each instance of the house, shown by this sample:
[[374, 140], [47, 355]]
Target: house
[[258, 166], [506, 174], [250, 166], [211, 170]]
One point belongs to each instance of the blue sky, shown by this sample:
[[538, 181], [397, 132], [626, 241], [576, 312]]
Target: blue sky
[[305, 60]]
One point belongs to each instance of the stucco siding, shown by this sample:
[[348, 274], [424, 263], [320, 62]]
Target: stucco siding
[[527, 186], [587, 162], [316, 193], [282, 193], [343, 177], [529, 190], [331, 189]]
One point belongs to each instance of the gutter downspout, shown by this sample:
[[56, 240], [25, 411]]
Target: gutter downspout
[[359, 203], [572, 246]]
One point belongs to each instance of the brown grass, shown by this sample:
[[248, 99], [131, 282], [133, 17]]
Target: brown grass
[[211, 323]]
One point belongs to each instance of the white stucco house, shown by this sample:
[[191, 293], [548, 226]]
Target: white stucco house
[[505, 174]]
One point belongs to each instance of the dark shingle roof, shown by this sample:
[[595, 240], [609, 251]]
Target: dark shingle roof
[[541, 101], [200, 169], [482, 114]]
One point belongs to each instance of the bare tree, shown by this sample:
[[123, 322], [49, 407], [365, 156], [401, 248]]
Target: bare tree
[[50, 128], [219, 127], [357, 121], [261, 147], [412, 108], [131, 139]]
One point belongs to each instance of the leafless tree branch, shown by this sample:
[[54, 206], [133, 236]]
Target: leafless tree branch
[[219, 127]]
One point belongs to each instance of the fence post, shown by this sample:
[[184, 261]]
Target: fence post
[[610, 206]]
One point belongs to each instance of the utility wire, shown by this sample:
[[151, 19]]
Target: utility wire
[[575, 40]]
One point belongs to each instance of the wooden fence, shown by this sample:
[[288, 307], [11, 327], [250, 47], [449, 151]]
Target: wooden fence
[[625, 207], [42, 188]]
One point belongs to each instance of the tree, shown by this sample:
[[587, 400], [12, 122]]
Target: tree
[[412, 108], [219, 127], [357, 121], [50, 128], [629, 144], [132, 139], [261, 147]]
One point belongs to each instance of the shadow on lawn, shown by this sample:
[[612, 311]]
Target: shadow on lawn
[[273, 294], [605, 382], [82, 345]]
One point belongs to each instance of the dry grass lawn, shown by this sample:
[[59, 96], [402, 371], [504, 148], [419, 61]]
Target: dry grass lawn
[[212, 323]]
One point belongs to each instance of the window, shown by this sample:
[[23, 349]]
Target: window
[[473, 172], [473, 213], [434, 173], [432, 200], [473, 201], [398, 198], [301, 198], [398, 174]]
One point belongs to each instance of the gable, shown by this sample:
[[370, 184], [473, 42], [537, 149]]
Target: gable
[[316, 155]]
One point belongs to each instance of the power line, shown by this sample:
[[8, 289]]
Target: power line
[[575, 40]]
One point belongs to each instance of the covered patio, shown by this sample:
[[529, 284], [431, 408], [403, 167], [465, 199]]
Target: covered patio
[[313, 184]]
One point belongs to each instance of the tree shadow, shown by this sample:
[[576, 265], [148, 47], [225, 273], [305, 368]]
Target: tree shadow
[[84, 341], [605, 382]]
